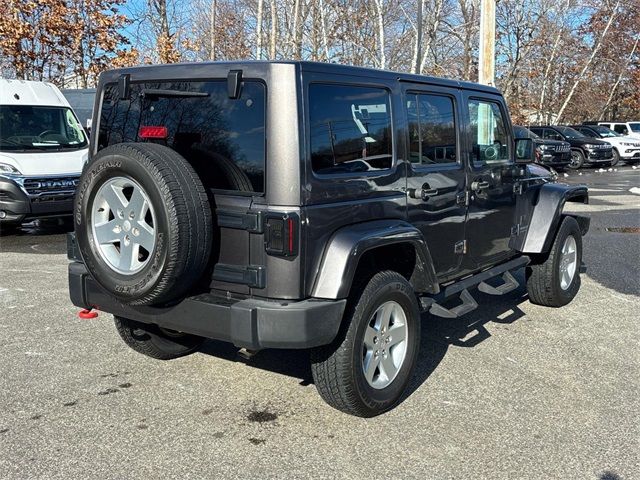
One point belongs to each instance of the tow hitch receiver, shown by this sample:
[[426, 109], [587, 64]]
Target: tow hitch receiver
[[87, 314]]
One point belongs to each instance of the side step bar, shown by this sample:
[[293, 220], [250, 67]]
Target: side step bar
[[462, 287]]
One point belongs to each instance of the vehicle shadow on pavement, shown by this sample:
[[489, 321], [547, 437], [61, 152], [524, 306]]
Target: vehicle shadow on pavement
[[36, 237], [437, 335]]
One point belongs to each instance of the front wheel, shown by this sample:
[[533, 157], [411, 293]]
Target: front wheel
[[367, 369], [616, 157], [577, 159], [556, 281]]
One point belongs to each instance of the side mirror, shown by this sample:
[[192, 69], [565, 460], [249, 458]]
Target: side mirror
[[525, 150]]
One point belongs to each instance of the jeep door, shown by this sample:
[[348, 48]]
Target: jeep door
[[492, 176], [435, 173]]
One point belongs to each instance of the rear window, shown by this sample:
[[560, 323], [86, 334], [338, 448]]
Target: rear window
[[219, 136], [350, 129]]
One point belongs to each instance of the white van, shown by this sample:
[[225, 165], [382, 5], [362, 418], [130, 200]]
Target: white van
[[42, 151]]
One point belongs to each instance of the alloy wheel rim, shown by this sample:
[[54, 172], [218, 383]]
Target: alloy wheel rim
[[575, 159], [123, 225], [385, 344], [568, 262]]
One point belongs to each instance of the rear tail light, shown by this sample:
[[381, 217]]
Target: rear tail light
[[157, 132], [281, 235]]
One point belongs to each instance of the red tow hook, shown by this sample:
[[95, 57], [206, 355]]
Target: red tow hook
[[87, 314]]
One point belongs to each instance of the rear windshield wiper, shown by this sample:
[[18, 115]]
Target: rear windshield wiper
[[154, 92]]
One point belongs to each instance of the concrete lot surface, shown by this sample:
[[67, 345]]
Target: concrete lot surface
[[512, 390]]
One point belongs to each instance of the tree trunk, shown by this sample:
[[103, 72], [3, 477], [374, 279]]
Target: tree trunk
[[417, 52], [381, 41], [274, 30], [259, 30], [212, 31]]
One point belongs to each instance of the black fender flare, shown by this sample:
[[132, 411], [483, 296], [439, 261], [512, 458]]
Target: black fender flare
[[548, 213], [347, 246]]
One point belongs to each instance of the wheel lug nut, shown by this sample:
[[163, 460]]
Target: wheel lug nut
[[132, 214], [375, 339], [117, 229], [135, 231]]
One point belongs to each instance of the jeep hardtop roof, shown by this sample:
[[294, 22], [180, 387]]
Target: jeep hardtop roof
[[194, 70]]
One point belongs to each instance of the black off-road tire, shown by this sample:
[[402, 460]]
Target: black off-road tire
[[154, 342], [543, 279], [577, 159], [337, 368], [183, 230], [616, 157]]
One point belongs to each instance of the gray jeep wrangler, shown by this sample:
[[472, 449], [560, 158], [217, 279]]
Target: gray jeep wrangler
[[310, 206]]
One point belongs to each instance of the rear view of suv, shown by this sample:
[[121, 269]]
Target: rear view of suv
[[584, 150], [311, 206]]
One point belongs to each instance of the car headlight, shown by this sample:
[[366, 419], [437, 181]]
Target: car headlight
[[6, 168], [590, 146], [626, 144]]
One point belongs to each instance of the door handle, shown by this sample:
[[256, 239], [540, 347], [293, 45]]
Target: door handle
[[479, 185], [423, 193]]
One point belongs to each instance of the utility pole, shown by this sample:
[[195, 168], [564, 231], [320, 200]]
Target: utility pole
[[487, 56]]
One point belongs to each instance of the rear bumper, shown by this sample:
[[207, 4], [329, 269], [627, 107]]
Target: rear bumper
[[18, 206], [249, 323]]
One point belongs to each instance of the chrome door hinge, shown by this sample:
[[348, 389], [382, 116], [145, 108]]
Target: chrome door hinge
[[460, 247], [462, 198]]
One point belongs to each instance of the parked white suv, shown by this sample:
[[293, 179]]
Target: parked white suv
[[625, 147], [631, 129], [42, 150]]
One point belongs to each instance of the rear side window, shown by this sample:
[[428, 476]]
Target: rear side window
[[432, 130], [350, 129], [219, 136], [489, 133]]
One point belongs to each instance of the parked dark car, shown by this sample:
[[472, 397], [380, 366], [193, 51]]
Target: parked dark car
[[311, 206], [552, 153], [584, 150], [625, 148]]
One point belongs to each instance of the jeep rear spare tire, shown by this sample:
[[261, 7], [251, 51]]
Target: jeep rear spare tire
[[143, 223]]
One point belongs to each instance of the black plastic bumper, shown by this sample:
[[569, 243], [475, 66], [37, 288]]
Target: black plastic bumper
[[249, 323], [18, 206]]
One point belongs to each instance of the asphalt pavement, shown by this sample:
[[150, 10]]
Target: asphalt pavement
[[511, 390]]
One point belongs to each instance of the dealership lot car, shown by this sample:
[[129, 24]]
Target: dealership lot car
[[584, 150], [625, 148], [302, 205], [552, 153], [42, 151]]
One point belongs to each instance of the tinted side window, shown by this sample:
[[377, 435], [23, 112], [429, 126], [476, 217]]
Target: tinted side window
[[219, 136], [489, 134], [432, 130], [350, 129], [621, 129], [552, 134]]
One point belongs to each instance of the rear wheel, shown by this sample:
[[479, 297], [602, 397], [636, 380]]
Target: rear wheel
[[156, 342], [577, 159], [556, 281], [367, 369]]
